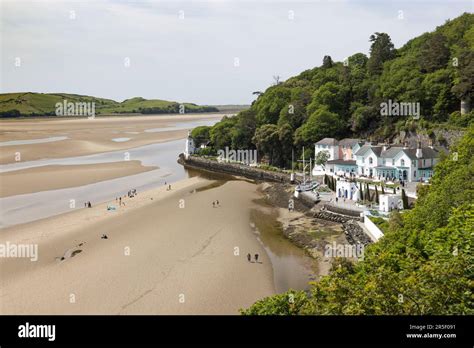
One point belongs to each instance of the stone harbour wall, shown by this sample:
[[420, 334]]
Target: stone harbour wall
[[233, 169]]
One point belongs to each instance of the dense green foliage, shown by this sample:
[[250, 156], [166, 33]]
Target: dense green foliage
[[42, 104], [423, 265], [342, 99]]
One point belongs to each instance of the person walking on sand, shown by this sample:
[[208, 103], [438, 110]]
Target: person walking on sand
[[256, 257], [213, 204], [217, 203], [120, 201], [249, 257]]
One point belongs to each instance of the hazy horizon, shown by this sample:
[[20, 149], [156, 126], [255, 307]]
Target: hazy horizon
[[187, 51]]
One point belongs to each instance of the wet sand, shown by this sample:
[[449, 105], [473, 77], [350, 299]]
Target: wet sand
[[85, 137], [53, 177], [167, 252]]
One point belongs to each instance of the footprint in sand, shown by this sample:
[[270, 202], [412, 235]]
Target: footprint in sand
[[70, 253]]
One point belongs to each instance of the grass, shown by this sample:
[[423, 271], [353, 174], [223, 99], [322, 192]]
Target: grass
[[381, 223]]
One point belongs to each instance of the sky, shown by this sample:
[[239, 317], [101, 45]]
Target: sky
[[206, 52]]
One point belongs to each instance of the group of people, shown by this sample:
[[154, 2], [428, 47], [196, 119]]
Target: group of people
[[130, 194], [215, 204], [87, 205], [249, 257]]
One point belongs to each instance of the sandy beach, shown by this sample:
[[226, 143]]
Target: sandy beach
[[85, 137], [55, 177], [166, 252]]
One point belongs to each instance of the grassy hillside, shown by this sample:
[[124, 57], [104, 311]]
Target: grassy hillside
[[343, 99], [43, 104]]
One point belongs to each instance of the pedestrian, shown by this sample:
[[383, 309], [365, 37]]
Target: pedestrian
[[89, 205], [120, 201], [256, 257], [217, 202], [85, 204], [169, 187], [213, 204], [249, 257]]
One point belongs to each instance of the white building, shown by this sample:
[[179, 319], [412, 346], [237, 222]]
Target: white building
[[389, 202], [190, 146], [347, 190], [396, 162]]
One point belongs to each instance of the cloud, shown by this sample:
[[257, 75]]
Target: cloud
[[191, 58]]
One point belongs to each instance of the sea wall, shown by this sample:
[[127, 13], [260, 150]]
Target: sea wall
[[233, 169]]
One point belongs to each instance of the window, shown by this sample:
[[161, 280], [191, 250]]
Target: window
[[402, 162], [371, 160]]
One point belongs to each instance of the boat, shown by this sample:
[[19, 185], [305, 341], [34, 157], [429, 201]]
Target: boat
[[306, 186]]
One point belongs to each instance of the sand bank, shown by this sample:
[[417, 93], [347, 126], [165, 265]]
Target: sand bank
[[167, 252], [85, 137], [53, 177]]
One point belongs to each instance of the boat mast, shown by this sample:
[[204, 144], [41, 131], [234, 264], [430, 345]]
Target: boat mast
[[304, 169]]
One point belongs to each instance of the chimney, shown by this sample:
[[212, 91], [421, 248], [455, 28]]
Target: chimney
[[385, 147], [419, 151]]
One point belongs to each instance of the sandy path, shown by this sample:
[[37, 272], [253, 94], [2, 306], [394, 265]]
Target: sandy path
[[55, 177], [85, 137], [175, 254]]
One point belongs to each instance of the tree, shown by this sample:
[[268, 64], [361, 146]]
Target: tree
[[381, 50], [321, 158], [244, 130], [463, 88], [221, 133], [361, 192], [321, 124], [201, 135], [266, 139], [327, 62], [376, 195], [404, 199], [434, 53]]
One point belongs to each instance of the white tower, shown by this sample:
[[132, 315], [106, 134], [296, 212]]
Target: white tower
[[190, 148]]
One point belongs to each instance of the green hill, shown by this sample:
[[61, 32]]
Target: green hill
[[343, 99], [43, 104]]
